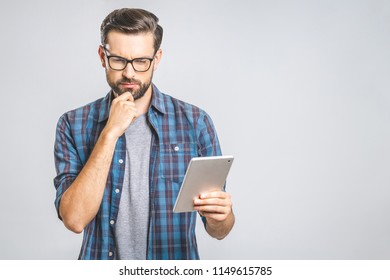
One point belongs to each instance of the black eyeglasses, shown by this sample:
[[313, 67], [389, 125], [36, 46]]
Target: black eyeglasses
[[119, 63]]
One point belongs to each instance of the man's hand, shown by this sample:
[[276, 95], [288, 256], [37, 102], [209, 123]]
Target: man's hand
[[122, 113], [216, 207]]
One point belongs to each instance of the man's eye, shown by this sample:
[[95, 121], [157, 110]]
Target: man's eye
[[117, 59], [141, 61]]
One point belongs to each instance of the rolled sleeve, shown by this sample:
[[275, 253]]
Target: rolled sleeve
[[67, 161]]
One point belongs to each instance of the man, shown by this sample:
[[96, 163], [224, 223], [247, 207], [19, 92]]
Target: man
[[121, 159]]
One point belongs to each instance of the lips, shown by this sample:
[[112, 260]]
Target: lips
[[129, 85]]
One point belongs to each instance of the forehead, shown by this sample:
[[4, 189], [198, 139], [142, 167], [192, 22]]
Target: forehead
[[130, 45]]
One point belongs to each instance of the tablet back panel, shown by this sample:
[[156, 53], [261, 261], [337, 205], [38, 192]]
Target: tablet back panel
[[203, 174]]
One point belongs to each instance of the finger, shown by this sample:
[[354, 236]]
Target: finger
[[125, 96], [222, 209], [124, 106], [130, 104], [134, 114], [204, 209], [214, 216], [217, 194], [126, 102], [213, 201]]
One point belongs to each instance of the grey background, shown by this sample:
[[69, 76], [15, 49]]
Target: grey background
[[298, 91]]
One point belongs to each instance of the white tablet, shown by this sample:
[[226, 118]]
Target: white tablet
[[204, 174]]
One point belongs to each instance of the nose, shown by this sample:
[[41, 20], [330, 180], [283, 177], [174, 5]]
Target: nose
[[128, 72]]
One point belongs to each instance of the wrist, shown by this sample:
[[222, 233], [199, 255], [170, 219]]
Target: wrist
[[109, 135]]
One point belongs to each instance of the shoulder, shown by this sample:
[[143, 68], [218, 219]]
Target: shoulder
[[183, 105], [92, 111], [184, 116], [178, 108]]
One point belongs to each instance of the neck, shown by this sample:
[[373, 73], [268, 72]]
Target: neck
[[143, 103]]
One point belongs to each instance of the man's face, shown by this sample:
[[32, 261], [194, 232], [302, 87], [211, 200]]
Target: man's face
[[130, 47]]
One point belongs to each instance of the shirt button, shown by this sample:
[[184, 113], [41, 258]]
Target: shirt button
[[120, 161], [112, 222], [176, 149], [110, 254], [117, 190]]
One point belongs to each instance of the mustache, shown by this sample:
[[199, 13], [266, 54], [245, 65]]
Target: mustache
[[130, 81]]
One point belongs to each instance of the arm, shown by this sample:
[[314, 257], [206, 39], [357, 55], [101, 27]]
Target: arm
[[216, 207], [81, 201]]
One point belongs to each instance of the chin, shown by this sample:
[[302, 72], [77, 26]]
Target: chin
[[138, 95]]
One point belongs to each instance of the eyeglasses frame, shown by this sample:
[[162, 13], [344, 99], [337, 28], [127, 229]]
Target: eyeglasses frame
[[128, 61]]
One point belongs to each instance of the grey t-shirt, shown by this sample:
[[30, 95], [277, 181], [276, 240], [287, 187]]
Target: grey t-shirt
[[131, 230]]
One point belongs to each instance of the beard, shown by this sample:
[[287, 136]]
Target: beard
[[137, 94]]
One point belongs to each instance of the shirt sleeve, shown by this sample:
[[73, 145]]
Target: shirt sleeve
[[208, 142], [67, 161]]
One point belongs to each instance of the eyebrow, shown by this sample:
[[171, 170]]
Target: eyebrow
[[111, 54]]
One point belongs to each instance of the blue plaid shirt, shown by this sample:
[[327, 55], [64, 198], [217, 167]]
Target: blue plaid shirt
[[180, 131]]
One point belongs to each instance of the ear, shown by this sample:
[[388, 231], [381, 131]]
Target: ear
[[102, 56], [157, 58]]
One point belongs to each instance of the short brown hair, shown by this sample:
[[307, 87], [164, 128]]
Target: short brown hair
[[132, 21]]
